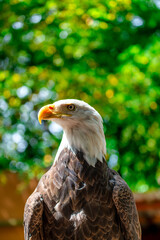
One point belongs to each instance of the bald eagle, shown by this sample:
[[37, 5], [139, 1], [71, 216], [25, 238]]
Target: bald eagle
[[80, 197]]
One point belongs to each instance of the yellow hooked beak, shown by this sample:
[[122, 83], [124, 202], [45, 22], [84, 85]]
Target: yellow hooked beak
[[48, 112]]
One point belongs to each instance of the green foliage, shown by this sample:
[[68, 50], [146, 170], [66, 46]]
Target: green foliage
[[103, 52]]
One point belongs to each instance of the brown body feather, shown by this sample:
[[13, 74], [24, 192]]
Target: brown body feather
[[76, 201]]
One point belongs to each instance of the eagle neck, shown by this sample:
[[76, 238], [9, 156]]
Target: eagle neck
[[91, 142]]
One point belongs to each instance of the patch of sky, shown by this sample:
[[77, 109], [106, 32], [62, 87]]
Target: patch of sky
[[23, 91], [17, 25], [55, 129], [35, 18], [3, 105], [137, 21], [157, 3], [63, 34], [44, 94], [113, 160]]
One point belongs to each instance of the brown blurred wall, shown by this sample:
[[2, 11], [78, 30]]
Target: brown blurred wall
[[13, 195]]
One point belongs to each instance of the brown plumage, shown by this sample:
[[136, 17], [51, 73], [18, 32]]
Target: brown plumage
[[77, 201]]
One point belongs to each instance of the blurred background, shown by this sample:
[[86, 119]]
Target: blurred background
[[106, 53]]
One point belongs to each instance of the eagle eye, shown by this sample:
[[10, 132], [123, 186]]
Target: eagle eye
[[71, 107]]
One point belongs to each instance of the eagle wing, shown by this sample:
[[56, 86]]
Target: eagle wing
[[33, 217], [126, 208]]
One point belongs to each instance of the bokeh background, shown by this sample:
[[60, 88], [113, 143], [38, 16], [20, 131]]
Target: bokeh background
[[106, 53]]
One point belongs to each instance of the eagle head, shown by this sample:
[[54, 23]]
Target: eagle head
[[82, 125]]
